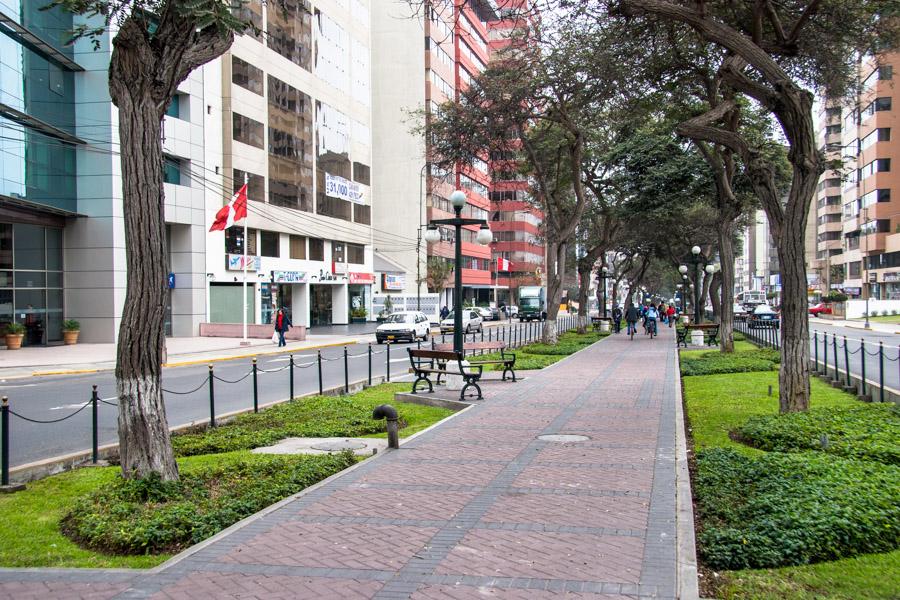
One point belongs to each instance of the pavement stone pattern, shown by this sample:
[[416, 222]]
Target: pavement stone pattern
[[478, 507]]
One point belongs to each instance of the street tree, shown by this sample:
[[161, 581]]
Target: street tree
[[157, 44]]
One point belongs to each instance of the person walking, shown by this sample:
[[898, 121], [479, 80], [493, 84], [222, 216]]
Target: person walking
[[631, 318], [282, 324], [617, 318], [445, 312], [670, 313]]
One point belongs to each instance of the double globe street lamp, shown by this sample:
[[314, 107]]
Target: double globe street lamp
[[697, 258], [483, 237]]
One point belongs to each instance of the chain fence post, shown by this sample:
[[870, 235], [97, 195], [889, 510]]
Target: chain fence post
[[387, 361], [255, 387], [847, 360], [825, 353], [837, 374], [291, 377], [212, 398], [862, 358], [94, 449], [319, 367], [4, 441], [369, 360], [881, 368], [346, 373], [816, 350]]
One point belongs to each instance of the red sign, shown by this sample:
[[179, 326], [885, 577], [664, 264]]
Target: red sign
[[362, 278]]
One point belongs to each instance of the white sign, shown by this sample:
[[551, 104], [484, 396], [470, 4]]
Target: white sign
[[338, 187], [289, 276], [393, 282], [236, 262]]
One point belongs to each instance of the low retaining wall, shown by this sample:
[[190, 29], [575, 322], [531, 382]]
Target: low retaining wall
[[873, 390], [236, 330]]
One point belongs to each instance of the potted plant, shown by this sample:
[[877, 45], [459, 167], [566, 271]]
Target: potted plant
[[358, 315], [70, 330], [14, 334], [387, 310]]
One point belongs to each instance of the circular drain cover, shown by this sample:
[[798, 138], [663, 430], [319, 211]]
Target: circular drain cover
[[563, 437], [338, 446]]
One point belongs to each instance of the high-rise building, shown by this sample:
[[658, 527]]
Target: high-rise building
[[857, 205], [296, 122]]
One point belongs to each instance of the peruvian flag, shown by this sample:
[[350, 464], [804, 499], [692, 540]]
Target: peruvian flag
[[232, 212], [503, 265]]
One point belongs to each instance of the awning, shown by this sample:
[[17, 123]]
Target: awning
[[383, 264]]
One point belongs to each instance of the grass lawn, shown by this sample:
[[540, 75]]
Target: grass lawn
[[739, 346], [716, 404], [893, 319]]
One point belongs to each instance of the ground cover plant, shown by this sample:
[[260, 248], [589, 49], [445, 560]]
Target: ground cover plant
[[538, 355], [714, 362], [315, 416], [151, 516]]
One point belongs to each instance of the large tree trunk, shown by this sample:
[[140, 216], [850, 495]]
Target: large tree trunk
[[715, 299], [556, 266], [144, 443], [584, 276], [726, 310]]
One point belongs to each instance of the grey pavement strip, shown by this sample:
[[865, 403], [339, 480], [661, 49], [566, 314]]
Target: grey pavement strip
[[688, 583], [70, 575]]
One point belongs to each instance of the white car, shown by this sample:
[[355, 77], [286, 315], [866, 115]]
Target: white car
[[485, 313], [471, 321], [740, 313], [405, 325]]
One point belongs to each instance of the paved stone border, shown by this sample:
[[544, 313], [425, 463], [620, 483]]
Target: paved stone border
[[688, 583]]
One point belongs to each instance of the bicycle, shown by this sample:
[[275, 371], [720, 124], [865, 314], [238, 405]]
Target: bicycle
[[651, 327], [632, 327]]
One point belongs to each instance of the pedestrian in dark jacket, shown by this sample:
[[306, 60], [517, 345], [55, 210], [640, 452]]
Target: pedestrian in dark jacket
[[631, 317], [617, 318], [282, 324]]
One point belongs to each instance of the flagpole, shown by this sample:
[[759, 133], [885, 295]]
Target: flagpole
[[245, 342]]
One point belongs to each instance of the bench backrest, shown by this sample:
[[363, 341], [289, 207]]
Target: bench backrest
[[473, 346], [433, 354]]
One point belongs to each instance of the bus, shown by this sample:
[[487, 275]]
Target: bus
[[751, 298]]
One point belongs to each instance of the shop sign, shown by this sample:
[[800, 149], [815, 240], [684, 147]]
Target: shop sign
[[852, 290], [326, 276], [393, 282], [367, 278], [339, 267], [338, 187], [289, 276], [235, 262], [891, 277]]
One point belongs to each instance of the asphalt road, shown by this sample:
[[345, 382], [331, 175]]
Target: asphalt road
[[55, 397]]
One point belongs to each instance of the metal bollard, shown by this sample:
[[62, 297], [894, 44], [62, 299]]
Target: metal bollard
[[388, 361], [255, 388], [4, 441], [847, 360], [346, 373], [212, 398], [837, 375], [862, 358], [319, 361], [94, 445], [881, 368], [816, 351], [388, 412], [291, 377], [825, 353], [369, 359]]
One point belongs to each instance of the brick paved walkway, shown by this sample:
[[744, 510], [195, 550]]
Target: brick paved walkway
[[476, 508]]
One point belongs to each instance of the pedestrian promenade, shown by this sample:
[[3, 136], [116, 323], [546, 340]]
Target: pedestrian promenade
[[478, 507]]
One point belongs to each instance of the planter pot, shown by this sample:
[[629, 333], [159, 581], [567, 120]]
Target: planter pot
[[14, 341], [357, 319], [70, 337]]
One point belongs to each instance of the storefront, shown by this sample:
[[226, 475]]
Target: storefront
[[359, 290], [287, 290], [31, 281], [328, 299]]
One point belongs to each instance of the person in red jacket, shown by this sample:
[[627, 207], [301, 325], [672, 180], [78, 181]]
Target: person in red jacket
[[670, 313]]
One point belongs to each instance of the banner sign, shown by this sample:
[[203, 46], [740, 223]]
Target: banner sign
[[338, 187], [362, 278], [393, 282], [235, 262], [892, 276], [289, 276]]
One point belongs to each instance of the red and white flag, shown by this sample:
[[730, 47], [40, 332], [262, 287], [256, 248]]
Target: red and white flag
[[232, 212], [503, 265]]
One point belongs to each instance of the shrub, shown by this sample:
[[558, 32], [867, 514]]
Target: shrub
[[15, 328], [71, 325], [151, 516], [791, 509], [874, 313], [739, 337], [715, 363], [867, 431]]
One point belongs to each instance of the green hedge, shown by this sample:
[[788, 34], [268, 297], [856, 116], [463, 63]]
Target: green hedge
[[791, 509], [151, 516], [867, 431], [715, 363]]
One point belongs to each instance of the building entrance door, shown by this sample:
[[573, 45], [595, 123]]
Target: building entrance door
[[319, 305]]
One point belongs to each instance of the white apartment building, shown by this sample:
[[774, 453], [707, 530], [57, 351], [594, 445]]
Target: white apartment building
[[296, 121]]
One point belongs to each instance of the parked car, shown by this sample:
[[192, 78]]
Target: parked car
[[820, 309], [740, 313], [485, 313], [512, 310], [471, 321], [404, 325], [764, 316]]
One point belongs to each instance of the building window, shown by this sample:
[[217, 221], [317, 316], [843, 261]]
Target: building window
[[288, 195], [285, 145], [361, 173], [247, 131], [362, 214], [246, 75], [234, 241], [854, 269], [172, 168], [833, 129], [877, 105], [290, 31], [174, 108], [316, 249], [268, 243], [333, 207], [356, 254], [256, 184], [298, 247], [337, 252]]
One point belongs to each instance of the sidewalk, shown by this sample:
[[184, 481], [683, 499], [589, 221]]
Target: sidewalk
[[476, 507], [46, 360], [858, 324]]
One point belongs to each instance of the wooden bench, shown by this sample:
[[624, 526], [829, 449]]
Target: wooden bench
[[710, 334], [434, 362], [596, 322], [507, 359]]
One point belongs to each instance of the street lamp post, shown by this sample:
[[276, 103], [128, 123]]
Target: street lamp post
[[602, 277], [484, 237]]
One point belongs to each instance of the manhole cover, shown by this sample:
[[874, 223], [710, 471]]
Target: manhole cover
[[563, 437], [338, 446]]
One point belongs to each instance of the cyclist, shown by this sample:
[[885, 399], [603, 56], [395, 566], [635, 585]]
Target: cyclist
[[650, 320], [631, 317]]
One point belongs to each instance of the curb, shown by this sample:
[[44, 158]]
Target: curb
[[187, 363], [688, 585]]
